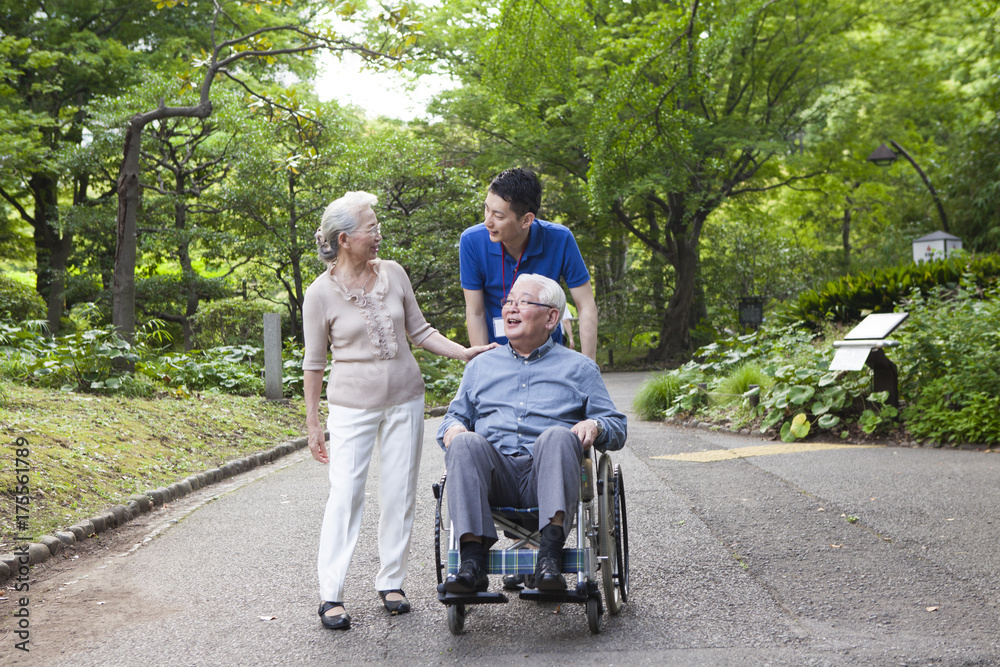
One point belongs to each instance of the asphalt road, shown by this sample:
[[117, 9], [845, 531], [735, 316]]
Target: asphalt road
[[743, 552]]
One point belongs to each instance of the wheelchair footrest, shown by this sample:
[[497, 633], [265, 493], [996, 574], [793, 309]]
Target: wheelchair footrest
[[470, 598]]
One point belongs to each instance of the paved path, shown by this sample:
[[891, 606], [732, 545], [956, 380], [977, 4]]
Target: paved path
[[756, 553]]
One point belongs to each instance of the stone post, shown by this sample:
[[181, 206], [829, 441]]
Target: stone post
[[272, 357]]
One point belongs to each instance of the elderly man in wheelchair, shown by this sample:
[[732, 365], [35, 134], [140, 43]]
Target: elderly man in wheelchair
[[515, 436]]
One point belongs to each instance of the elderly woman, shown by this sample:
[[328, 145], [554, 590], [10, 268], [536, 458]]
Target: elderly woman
[[362, 309]]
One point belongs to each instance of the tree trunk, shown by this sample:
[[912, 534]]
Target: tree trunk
[[51, 249], [675, 329], [295, 300], [123, 284], [657, 261]]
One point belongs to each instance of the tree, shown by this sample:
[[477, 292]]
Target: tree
[[234, 40], [704, 105], [283, 181], [423, 207], [185, 159], [55, 56], [662, 111]]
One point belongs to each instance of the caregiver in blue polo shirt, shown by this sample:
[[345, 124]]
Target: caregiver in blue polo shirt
[[511, 241]]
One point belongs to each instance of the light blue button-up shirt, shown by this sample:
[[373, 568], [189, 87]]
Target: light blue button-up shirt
[[510, 399]]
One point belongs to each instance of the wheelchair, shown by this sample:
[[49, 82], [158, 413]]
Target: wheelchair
[[599, 558]]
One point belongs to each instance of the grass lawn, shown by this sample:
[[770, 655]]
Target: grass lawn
[[89, 452]]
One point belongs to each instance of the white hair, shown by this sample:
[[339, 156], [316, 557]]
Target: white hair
[[549, 293], [342, 215]]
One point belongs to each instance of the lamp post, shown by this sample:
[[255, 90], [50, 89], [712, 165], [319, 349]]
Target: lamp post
[[883, 156]]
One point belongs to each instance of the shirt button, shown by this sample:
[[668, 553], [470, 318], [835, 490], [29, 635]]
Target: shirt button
[[524, 385]]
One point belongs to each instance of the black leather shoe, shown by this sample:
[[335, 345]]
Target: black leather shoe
[[337, 621], [470, 578], [395, 607], [548, 575]]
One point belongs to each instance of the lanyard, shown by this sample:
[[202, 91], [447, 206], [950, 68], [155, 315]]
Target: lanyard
[[503, 271]]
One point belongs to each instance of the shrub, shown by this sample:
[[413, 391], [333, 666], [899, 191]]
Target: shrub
[[291, 369], [93, 360], [657, 394], [948, 364], [797, 392], [845, 300], [737, 383], [233, 322], [19, 301], [235, 369], [442, 376]]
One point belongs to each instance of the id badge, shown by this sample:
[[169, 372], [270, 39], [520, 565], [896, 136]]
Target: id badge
[[498, 327]]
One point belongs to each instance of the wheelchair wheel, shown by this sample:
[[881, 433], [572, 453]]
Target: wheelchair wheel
[[609, 535], [621, 530], [456, 618], [594, 615]]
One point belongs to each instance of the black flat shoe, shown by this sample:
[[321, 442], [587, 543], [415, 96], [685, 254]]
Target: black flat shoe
[[518, 582], [395, 607], [337, 622], [470, 578], [548, 575]]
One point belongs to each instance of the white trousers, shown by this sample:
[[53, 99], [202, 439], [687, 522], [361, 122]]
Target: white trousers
[[399, 431]]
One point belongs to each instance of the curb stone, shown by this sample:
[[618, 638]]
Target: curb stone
[[118, 515]]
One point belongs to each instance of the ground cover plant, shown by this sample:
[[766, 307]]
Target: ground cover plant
[[949, 377]]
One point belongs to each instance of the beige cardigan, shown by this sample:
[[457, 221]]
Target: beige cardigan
[[366, 334]]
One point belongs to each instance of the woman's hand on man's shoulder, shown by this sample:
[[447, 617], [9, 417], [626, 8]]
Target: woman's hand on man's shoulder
[[474, 351]]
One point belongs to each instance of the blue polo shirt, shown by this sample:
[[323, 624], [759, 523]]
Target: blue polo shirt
[[551, 252]]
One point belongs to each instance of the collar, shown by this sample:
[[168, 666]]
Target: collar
[[537, 354]]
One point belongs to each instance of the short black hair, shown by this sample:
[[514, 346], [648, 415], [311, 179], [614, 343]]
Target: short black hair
[[520, 188]]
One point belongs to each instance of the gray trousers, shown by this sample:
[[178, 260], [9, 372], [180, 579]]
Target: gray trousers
[[479, 477]]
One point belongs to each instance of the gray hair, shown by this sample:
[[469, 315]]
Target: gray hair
[[342, 215], [549, 293]]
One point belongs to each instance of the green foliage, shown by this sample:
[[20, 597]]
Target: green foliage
[[846, 299], [949, 377], [93, 360], [658, 394], [291, 365], [796, 392], [796, 429], [807, 388], [96, 360], [948, 364], [442, 376], [735, 384], [234, 369], [879, 416], [19, 301], [233, 321]]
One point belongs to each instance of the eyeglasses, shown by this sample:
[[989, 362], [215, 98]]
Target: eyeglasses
[[522, 302], [375, 230]]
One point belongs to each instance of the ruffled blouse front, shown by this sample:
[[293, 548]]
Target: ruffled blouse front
[[365, 334], [371, 305]]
